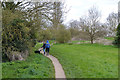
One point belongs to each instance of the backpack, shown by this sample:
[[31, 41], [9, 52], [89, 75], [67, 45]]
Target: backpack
[[47, 46]]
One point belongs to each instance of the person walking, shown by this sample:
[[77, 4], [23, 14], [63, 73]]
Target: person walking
[[43, 47], [47, 46]]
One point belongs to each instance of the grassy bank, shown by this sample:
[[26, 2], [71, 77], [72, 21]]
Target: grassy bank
[[36, 66], [87, 61]]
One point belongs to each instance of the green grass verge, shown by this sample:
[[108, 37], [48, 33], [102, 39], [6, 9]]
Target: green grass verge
[[36, 66], [109, 38], [76, 41], [87, 61]]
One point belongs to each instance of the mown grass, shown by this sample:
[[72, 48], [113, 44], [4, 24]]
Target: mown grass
[[36, 66], [87, 61], [76, 41], [109, 38]]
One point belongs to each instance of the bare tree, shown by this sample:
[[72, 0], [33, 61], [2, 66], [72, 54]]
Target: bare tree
[[57, 16], [112, 22], [74, 24], [91, 23], [83, 23], [74, 28]]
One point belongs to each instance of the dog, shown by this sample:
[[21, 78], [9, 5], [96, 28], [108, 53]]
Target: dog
[[38, 51]]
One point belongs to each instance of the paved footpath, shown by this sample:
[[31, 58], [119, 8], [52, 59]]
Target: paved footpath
[[59, 72]]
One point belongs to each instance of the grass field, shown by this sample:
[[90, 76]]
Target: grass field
[[87, 61], [79, 41], [36, 66], [109, 38], [78, 61]]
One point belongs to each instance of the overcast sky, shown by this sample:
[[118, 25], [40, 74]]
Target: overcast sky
[[79, 8]]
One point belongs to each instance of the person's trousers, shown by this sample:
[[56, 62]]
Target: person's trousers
[[44, 51], [47, 50]]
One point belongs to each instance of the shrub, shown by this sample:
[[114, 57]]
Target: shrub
[[117, 38], [63, 35], [44, 35], [15, 38]]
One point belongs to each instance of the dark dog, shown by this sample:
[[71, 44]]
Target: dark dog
[[38, 51]]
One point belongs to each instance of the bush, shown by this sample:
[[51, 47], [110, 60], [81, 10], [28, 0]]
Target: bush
[[117, 38], [63, 35], [74, 32], [15, 38], [44, 35]]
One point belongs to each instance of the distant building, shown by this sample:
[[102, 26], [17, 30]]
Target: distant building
[[119, 12]]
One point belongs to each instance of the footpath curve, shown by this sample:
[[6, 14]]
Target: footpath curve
[[59, 72]]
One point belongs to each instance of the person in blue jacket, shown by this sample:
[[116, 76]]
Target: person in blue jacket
[[43, 47], [47, 46]]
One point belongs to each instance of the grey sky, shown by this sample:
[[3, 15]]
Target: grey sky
[[79, 8]]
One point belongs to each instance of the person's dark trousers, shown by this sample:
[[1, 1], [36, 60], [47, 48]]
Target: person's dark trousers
[[44, 50], [47, 50]]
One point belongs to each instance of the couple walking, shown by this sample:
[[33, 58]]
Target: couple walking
[[46, 47]]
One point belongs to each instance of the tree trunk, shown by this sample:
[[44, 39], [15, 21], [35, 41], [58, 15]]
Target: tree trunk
[[91, 40]]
